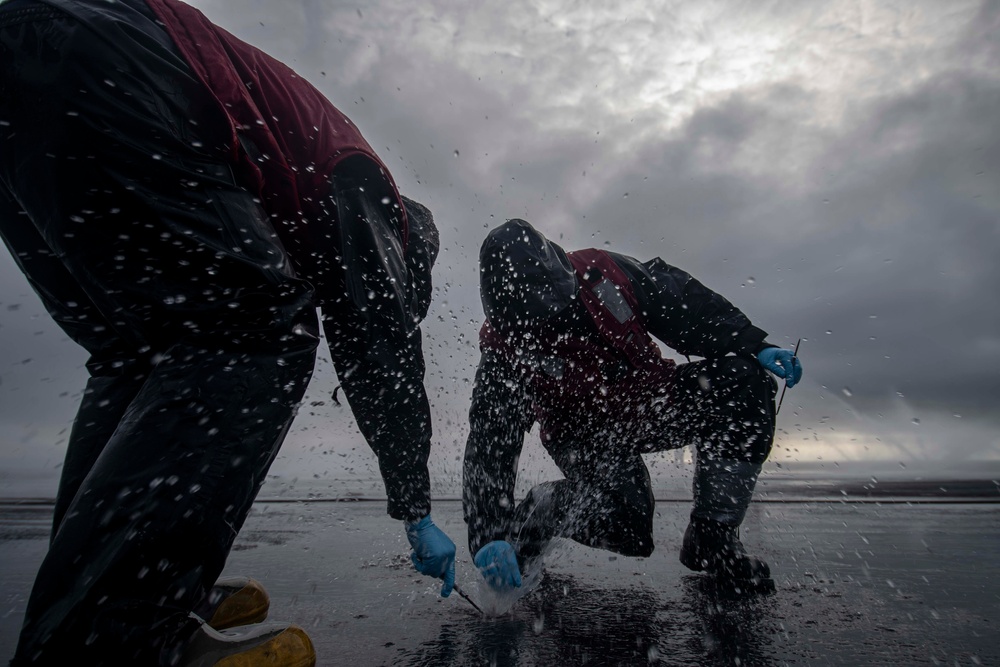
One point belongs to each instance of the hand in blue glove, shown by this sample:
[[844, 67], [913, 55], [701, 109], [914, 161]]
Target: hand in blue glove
[[433, 552], [498, 564], [782, 363]]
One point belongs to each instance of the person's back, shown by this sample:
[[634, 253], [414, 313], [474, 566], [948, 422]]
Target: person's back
[[187, 250]]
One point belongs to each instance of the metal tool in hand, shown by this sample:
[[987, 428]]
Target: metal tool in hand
[[467, 598]]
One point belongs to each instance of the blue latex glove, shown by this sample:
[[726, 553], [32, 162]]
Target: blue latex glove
[[498, 564], [782, 363], [433, 552]]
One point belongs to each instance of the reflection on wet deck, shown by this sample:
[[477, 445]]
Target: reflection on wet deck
[[872, 584]]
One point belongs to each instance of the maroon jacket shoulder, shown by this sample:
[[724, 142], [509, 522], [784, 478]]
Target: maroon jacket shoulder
[[299, 134]]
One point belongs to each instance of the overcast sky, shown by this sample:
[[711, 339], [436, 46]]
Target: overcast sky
[[832, 168]]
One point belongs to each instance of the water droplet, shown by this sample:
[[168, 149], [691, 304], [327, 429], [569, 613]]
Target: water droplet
[[455, 153], [538, 625], [847, 392], [915, 421]]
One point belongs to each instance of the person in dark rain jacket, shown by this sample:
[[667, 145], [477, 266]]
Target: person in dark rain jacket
[[182, 204], [568, 342]]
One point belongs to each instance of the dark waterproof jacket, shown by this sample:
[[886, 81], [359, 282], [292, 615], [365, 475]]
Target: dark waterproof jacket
[[308, 164], [599, 382], [298, 137]]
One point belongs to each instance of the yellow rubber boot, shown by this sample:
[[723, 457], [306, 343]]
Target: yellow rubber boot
[[235, 601], [257, 645]]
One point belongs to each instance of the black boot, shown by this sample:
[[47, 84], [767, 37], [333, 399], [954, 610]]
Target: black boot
[[715, 548], [722, 493]]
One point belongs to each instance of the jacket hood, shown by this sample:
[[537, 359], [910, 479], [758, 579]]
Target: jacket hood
[[523, 277]]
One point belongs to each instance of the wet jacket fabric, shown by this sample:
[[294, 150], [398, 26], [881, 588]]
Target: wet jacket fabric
[[282, 137], [296, 136], [613, 371], [609, 408], [122, 205], [285, 142]]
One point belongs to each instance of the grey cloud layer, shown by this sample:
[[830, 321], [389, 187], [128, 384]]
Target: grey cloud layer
[[845, 156]]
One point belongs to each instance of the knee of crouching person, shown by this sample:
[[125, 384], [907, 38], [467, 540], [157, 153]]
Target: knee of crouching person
[[739, 368]]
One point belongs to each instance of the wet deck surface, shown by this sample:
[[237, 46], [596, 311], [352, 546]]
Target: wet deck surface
[[860, 584]]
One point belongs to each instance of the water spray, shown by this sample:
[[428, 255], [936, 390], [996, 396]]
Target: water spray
[[465, 597]]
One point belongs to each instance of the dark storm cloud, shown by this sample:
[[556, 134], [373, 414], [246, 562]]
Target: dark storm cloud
[[844, 156], [884, 239]]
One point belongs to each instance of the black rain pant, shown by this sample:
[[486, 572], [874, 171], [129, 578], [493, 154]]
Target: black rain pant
[[725, 407], [130, 226]]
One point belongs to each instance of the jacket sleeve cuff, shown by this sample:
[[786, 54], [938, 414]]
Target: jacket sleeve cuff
[[408, 492], [751, 341]]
